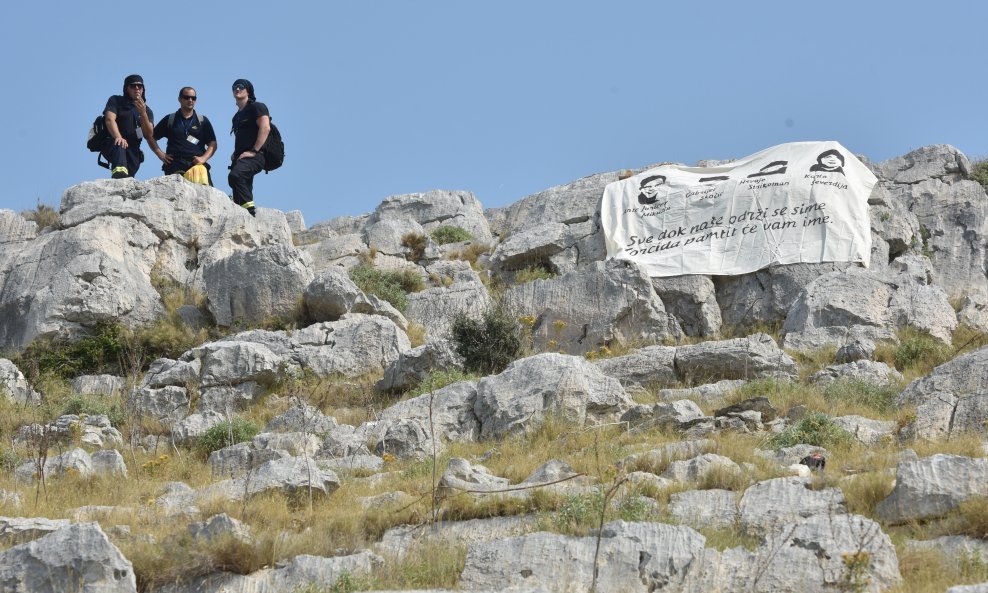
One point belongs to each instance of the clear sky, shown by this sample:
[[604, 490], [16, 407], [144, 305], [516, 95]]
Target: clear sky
[[503, 99]]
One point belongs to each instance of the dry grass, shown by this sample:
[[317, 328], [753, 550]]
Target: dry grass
[[931, 572]]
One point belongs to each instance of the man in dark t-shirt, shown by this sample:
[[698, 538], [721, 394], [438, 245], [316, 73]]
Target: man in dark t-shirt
[[191, 139], [128, 120], [251, 126]]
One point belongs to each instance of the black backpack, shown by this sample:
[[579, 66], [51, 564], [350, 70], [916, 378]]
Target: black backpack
[[274, 150], [97, 134]]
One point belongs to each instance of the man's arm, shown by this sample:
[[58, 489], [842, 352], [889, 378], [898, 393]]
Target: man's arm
[[263, 129], [110, 118], [145, 123], [210, 150]]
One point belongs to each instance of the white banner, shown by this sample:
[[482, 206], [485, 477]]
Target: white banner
[[798, 202]]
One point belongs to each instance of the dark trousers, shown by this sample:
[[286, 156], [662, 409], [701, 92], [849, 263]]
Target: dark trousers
[[122, 157], [241, 179]]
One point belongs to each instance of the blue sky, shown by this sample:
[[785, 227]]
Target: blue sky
[[502, 98]]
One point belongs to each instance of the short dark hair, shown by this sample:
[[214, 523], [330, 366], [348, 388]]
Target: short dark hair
[[182, 90], [651, 179]]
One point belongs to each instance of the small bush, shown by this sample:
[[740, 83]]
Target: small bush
[[101, 352], [390, 286], [471, 253], [488, 345], [450, 234], [578, 513], [226, 434], [44, 216], [533, 273], [415, 244], [439, 379], [92, 406], [816, 429], [880, 398], [917, 352], [979, 172]]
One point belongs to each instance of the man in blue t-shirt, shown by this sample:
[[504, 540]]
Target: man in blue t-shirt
[[128, 119], [251, 126], [191, 139]]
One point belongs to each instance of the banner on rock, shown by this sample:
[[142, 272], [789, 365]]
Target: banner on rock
[[803, 202]]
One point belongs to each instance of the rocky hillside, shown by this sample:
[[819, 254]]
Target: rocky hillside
[[434, 396]]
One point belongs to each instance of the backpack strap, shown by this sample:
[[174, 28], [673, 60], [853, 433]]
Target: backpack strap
[[105, 165]]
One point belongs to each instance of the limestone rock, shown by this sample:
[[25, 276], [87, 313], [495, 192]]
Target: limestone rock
[[951, 400], [294, 476], [106, 385], [453, 413], [414, 365], [14, 386], [434, 209], [302, 418], [662, 456], [462, 476], [74, 558], [866, 430], [399, 540], [167, 404], [19, 530], [760, 404], [741, 358], [933, 486], [76, 461], [645, 366], [697, 468], [579, 311], [692, 300], [769, 505], [253, 286], [332, 294], [15, 228], [219, 528], [705, 508], [867, 371], [535, 389], [437, 308], [709, 393]]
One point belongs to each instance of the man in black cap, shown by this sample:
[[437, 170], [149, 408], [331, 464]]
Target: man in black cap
[[251, 126], [191, 140], [128, 120]]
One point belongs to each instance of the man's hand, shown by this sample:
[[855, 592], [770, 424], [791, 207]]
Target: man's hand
[[165, 158], [247, 154], [121, 143], [141, 106], [198, 160]]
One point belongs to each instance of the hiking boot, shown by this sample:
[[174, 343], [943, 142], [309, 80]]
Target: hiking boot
[[251, 210], [120, 173]]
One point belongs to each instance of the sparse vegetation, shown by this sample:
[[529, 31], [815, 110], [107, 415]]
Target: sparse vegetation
[[44, 216], [439, 379], [393, 287], [533, 273], [812, 429], [226, 434], [487, 345], [450, 234], [415, 243]]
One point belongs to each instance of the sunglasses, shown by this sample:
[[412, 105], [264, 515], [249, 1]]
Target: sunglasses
[[239, 87], [190, 97], [136, 85]]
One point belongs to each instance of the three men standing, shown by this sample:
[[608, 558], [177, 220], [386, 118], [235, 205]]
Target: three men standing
[[128, 120], [191, 139], [251, 127]]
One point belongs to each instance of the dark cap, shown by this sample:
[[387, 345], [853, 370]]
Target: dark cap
[[248, 86]]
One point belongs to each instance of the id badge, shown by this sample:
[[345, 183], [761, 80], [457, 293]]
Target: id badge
[[191, 140]]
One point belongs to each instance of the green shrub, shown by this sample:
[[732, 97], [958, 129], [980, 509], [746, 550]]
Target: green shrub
[[880, 398], [439, 379], [390, 286], [226, 434], [919, 349], [92, 406], [450, 234], [815, 428], [979, 172], [578, 513], [102, 352], [487, 345]]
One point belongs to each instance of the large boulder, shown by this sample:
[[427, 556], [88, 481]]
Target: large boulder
[[951, 400], [97, 267], [649, 366], [769, 505], [692, 300], [534, 390], [15, 228], [78, 558], [434, 209], [750, 357], [610, 301], [933, 486], [437, 308], [415, 365], [332, 294], [952, 212], [254, 286]]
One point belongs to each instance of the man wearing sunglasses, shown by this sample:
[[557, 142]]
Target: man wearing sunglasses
[[128, 119], [251, 126], [191, 140]]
